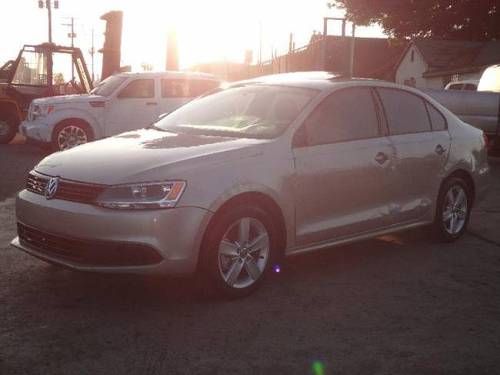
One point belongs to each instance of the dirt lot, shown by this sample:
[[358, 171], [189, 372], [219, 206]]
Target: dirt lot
[[395, 305]]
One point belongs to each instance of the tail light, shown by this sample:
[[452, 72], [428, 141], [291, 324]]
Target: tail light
[[486, 141]]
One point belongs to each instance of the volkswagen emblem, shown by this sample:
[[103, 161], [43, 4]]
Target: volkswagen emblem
[[51, 188]]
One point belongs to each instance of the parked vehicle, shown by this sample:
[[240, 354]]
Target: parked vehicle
[[480, 109], [39, 71], [229, 183], [469, 85], [122, 102]]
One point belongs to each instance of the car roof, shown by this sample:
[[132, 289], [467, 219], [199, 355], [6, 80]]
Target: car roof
[[319, 80], [169, 74]]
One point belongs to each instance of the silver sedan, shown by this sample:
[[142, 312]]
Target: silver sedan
[[229, 184]]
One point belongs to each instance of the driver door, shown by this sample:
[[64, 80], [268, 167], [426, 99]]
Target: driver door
[[134, 107]]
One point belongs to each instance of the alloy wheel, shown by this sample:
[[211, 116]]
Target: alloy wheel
[[71, 136], [455, 208], [243, 252]]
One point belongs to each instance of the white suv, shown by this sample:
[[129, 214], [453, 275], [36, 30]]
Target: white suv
[[122, 102]]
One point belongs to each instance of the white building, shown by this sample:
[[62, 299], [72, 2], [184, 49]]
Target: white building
[[428, 63]]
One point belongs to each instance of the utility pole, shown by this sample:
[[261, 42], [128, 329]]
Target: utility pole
[[92, 51], [72, 35], [48, 4], [260, 42]]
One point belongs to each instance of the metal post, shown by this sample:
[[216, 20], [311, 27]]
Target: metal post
[[49, 8], [351, 56], [92, 51]]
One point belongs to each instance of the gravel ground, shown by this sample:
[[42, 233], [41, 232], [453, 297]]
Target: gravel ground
[[395, 305]]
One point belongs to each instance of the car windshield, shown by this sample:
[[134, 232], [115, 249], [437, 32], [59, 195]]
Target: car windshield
[[108, 86], [253, 111]]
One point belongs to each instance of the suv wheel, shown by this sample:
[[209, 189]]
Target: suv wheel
[[453, 210], [69, 134], [238, 250]]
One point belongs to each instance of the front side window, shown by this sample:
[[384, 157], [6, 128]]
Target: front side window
[[346, 115], [253, 111], [406, 112], [139, 89]]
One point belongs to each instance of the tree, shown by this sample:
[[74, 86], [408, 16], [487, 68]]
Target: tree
[[440, 19]]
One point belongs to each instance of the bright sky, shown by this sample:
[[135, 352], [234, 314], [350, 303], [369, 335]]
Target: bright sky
[[207, 31]]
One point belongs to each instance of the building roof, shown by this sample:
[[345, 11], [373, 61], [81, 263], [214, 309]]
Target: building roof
[[453, 56]]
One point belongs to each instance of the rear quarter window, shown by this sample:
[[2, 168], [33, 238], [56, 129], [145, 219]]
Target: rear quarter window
[[437, 119]]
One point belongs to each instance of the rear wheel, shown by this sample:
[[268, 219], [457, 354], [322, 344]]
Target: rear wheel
[[453, 211], [8, 129], [71, 133], [238, 250]]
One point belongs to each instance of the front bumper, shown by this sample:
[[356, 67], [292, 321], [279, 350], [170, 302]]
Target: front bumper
[[174, 234], [37, 130]]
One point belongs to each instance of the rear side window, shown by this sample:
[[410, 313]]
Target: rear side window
[[139, 88], [346, 115], [406, 112], [198, 87], [184, 88], [175, 88], [437, 119]]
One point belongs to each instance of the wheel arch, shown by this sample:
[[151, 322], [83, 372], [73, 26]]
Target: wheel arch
[[251, 198], [466, 177], [11, 107], [74, 120]]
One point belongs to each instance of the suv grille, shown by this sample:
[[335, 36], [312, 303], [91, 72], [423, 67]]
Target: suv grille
[[67, 190], [87, 252]]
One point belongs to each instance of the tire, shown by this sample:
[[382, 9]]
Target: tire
[[8, 129], [71, 133], [453, 209], [224, 251]]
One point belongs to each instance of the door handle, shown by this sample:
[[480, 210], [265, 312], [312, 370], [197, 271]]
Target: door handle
[[151, 103], [440, 150], [381, 158]]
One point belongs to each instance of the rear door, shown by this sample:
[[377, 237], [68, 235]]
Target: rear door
[[134, 107], [420, 137], [343, 169]]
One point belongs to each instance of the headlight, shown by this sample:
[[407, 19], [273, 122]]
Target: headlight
[[41, 110], [143, 195]]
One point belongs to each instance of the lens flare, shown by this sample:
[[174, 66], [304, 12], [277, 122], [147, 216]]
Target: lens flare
[[318, 368], [277, 268]]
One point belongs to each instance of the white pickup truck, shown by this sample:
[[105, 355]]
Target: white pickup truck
[[122, 102], [481, 108]]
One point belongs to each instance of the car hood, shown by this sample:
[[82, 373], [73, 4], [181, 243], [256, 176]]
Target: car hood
[[68, 99], [145, 155]]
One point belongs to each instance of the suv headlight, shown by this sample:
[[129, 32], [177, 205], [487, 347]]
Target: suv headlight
[[143, 195], [39, 110]]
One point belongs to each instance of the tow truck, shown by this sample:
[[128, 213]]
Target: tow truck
[[39, 71]]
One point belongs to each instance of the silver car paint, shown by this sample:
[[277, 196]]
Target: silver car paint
[[307, 184]]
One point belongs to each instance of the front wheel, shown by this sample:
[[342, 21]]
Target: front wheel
[[238, 250], [69, 134], [8, 129], [453, 211]]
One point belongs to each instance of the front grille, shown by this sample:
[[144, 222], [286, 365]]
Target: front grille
[[67, 190], [87, 252]]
